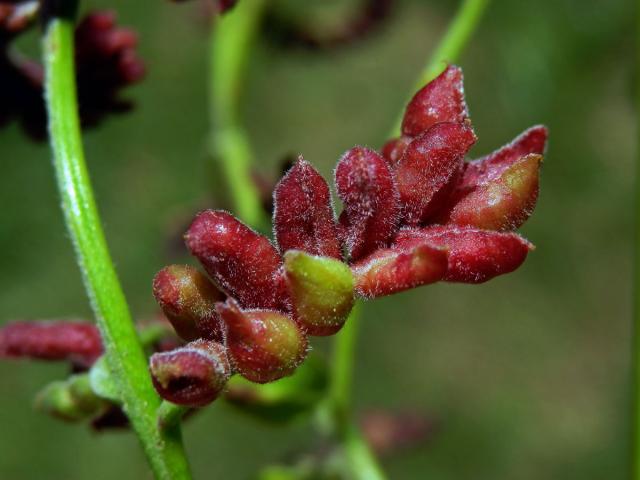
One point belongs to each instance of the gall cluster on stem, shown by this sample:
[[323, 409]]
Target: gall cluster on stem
[[415, 213]]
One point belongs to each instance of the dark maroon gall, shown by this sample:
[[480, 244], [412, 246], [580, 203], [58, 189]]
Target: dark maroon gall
[[303, 217], [243, 263], [106, 62], [193, 375], [441, 100], [429, 168], [366, 186]]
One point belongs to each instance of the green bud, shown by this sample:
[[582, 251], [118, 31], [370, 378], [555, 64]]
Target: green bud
[[71, 399], [321, 291]]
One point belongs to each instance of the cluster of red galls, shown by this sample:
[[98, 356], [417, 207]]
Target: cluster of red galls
[[414, 214]]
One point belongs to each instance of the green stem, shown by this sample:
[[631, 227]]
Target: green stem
[[124, 353], [170, 414], [451, 45], [231, 40], [343, 363], [361, 462]]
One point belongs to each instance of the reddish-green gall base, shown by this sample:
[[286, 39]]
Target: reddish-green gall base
[[264, 345], [188, 300]]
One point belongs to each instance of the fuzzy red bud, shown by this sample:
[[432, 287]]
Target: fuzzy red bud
[[441, 100], [242, 262], [474, 255], [77, 342], [393, 270], [193, 375], [303, 218], [532, 140], [188, 299], [429, 167], [501, 203], [264, 345], [366, 186]]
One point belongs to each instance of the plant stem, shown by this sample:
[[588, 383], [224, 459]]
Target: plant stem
[[231, 40], [124, 353], [170, 414], [359, 460], [343, 363], [451, 45]]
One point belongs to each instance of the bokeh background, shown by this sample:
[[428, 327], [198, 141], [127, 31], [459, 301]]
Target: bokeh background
[[526, 376]]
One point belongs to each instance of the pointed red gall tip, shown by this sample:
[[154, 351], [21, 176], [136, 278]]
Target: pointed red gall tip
[[429, 168], [367, 187], [441, 100], [303, 216], [503, 202], [532, 140]]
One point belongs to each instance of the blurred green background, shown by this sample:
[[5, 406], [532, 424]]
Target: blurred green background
[[527, 376]]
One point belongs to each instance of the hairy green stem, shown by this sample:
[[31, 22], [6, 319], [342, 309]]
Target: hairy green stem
[[170, 414], [125, 357], [360, 462], [231, 40], [451, 45]]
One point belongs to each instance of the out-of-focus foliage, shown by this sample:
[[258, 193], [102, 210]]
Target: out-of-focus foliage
[[526, 376]]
